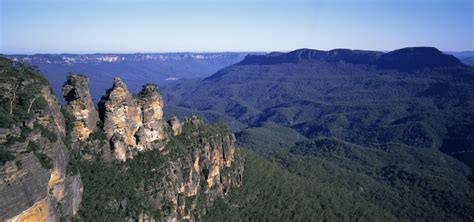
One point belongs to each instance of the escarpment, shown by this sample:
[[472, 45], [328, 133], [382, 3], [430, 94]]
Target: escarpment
[[193, 181], [34, 185], [120, 161]]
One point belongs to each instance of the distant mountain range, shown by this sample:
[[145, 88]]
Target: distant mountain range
[[70, 59], [373, 125], [136, 69], [405, 59], [419, 96], [161, 68], [467, 57]]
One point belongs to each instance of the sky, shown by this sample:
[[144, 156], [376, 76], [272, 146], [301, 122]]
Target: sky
[[127, 26]]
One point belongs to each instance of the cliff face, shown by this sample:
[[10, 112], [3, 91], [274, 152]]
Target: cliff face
[[34, 185], [195, 180], [167, 171]]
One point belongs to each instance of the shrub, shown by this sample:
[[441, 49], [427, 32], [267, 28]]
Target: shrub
[[33, 147], [5, 156], [44, 160], [52, 137], [98, 135]]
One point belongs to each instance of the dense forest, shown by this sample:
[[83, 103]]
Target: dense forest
[[344, 134]]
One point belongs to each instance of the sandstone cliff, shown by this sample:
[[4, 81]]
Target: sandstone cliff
[[121, 162], [207, 171], [34, 185]]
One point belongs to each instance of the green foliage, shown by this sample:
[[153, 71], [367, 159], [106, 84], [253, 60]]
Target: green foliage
[[45, 132], [5, 155], [21, 98], [98, 135], [21, 92], [407, 181], [399, 121], [69, 119], [330, 179], [25, 132], [33, 147], [69, 122], [5, 119], [354, 102], [268, 138], [271, 193], [44, 160], [39, 104], [191, 136], [107, 186]]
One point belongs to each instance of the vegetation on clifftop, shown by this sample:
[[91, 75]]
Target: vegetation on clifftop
[[20, 85], [122, 190], [21, 99]]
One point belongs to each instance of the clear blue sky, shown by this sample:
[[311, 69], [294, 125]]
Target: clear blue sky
[[86, 26]]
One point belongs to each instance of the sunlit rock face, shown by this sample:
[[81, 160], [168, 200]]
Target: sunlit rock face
[[153, 125], [120, 112], [194, 181], [176, 126], [137, 119], [79, 102]]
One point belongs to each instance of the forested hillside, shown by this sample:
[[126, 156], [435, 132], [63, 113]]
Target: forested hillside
[[344, 135], [415, 96]]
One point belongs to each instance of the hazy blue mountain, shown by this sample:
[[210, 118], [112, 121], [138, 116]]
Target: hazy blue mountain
[[419, 96], [467, 57], [135, 69]]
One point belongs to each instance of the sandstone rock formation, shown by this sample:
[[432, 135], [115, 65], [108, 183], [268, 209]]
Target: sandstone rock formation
[[133, 123], [176, 126], [120, 112], [153, 125], [194, 181], [79, 101], [197, 162]]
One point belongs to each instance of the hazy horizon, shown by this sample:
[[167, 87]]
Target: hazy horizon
[[208, 52]]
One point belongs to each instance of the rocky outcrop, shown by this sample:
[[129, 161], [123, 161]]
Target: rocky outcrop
[[133, 123], [193, 182], [79, 102], [122, 118], [153, 125], [176, 126]]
